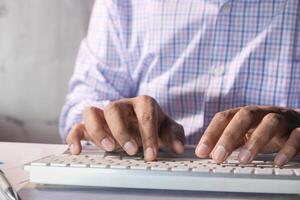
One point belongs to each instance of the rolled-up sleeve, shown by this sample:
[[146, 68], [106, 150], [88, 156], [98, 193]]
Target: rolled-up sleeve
[[101, 72]]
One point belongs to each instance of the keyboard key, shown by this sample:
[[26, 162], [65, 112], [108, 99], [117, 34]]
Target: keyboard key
[[132, 158], [96, 157], [154, 163], [194, 165], [58, 164], [297, 172], [99, 166], [246, 165], [258, 162], [160, 168], [171, 164], [222, 170], [292, 165], [263, 171], [204, 161], [113, 157], [268, 164], [233, 162], [185, 162], [201, 169], [285, 172], [118, 166], [180, 168], [39, 163], [78, 165], [140, 167], [243, 170]]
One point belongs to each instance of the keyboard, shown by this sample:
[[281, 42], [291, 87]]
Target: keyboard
[[169, 172]]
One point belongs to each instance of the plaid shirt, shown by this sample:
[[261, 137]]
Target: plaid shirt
[[195, 57]]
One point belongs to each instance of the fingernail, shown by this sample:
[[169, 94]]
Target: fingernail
[[130, 147], [244, 156], [281, 159], [219, 154], [107, 144], [202, 150], [149, 154], [178, 146]]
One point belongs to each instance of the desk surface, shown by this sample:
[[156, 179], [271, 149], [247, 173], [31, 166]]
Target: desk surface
[[14, 155]]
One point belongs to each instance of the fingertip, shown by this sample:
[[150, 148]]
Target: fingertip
[[75, 149], [108, 144], [150, 154], [245, 156], [219, 154], [280, 159], [202, 150], [131, 147], [178, 146]]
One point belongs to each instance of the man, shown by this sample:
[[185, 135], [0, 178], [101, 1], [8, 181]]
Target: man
[[157, 73]]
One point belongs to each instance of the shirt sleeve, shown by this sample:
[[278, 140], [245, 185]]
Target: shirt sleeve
[[101, 73]]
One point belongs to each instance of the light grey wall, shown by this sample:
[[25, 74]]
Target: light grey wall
[[39, 40]]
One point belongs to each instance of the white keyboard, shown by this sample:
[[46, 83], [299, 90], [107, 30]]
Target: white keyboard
[[168, 172]]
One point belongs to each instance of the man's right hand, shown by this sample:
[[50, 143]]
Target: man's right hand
[[128, 123]]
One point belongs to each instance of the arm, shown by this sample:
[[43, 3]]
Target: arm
[[101, 73]]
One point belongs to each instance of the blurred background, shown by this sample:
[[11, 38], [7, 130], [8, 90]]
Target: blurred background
[[39, 40]]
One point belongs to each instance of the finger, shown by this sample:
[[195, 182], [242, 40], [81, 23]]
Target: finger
[[213, 132], [272, 124], [290, 148], [116, 122], [147, 116], [172, 135], [95, 126], [233, 133], [74, 138]]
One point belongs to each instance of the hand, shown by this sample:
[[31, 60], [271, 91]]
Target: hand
[[255, 129], [128, 123]]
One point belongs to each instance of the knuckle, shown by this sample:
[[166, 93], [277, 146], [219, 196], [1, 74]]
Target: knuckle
[[296, 134], [297, 131], [272, 118], [112, 107], [88, 110], [251, 108], [145, 99], [77, 127], [248, 111], [221, 116]]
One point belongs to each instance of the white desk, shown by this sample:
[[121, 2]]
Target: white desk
[[15, 155]]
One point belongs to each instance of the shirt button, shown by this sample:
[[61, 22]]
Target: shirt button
[[219, 70]]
